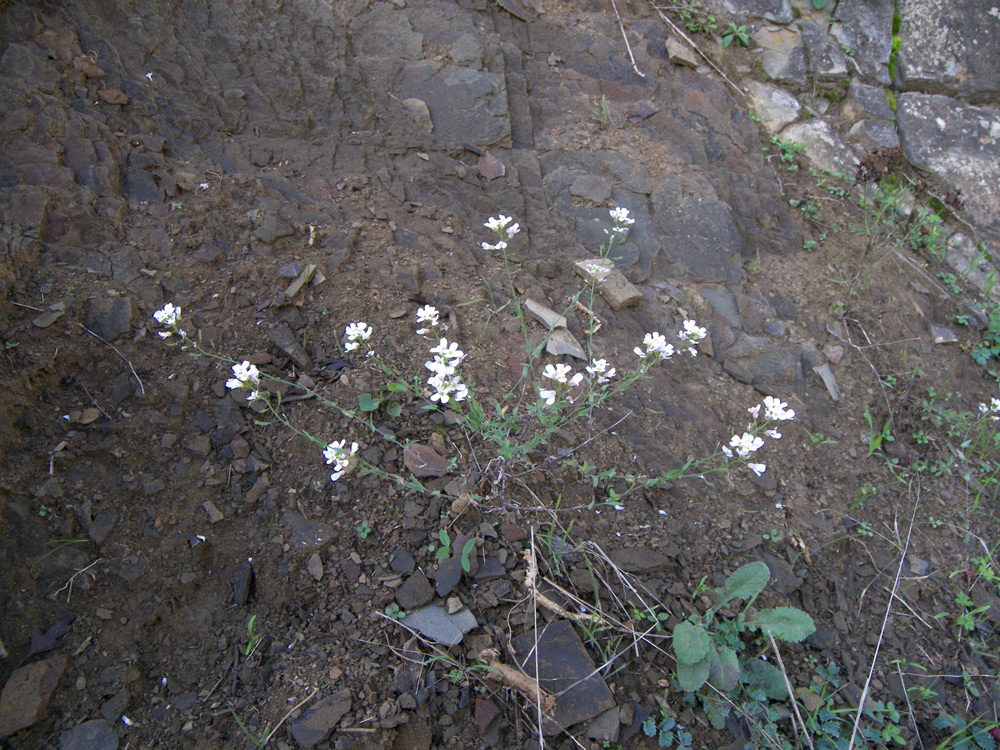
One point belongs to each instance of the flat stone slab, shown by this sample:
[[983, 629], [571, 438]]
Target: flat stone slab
[[566, 671], [822, 145], [27, 693], [960, 144], [610, 283], [305, 533], [434, 622], [316, 722], [775, 106]]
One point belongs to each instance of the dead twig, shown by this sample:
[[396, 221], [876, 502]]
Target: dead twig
[[627, 45], [885, 621], [791, 694], [284, 718], [687, 39], [142, 390], [521, 682]]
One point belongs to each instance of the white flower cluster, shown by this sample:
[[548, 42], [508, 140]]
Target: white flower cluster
[[658, 348], [621, 219], [445, 381], [168, 315], [430, 317], [749, 442], [598, 271], [599, 370], [335, 453], [246, 375], [993, 410], [503, 231], [356, 335]]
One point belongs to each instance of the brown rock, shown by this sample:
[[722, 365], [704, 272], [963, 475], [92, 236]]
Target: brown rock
[[27, 693], [113, 96], [424, 461]]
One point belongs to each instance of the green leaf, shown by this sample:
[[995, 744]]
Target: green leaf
[[716, 711], [785, 623], [819, 4], [367, 403], [395, 410], [397, 387], [745, 583], [692, 676], [768, 677], [691, 643], [725, 673]]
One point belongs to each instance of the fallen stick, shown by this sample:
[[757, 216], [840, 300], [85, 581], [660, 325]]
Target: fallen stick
[[517, 679]]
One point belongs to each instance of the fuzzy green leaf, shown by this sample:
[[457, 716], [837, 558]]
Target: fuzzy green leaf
[[745, 583], [768, 677], [367, 403], [785, 624], [725, 669], [691, 643], [692, 676], [716, 710]]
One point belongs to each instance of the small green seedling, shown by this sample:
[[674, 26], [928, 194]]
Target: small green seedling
[[252, 638]]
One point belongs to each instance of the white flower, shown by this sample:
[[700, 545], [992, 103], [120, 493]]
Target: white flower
[[600, 369], [757, 469], [692, 332], [776, 409], [597, 270], [548, 396], [746, 444], [358, 332], [655, 343], [448, 352], [727, 451], [992, 409], [447, 387], [501, 245], [496, 225], [427, 314], [440, 367], [244, 374], [556, 372], [620, 216], [168, 315], [576, 380], [513, 229], [772, 433], [754, 410], [335, 453], [422, 331], [168, 334]]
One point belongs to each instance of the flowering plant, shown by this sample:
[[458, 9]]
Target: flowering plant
[[555, 395]]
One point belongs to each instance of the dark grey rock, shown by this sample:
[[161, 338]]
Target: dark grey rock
[[283, 338], [873, 135], [402, 562], [317, 721], [415, 592], [305, 532], [695, 228], [100, 528], [465, 105], [243, 579], [783, 580], [590, 187], [784, 57], [131, 572], [958, 143], [115, 706], [90, 735], [447, 575], [435, 623], [109, 318], [866, 30], [722, 302], [824, 56], [605, 727], [272, 227], [566, 671], [865, 101]]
